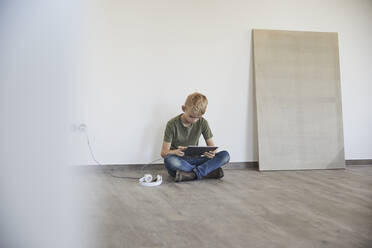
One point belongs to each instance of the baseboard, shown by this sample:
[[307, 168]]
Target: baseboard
[[242, 165], [359, 162], [254, 164], [232, 165]]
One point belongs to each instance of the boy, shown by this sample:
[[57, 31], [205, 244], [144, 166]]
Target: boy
[[185, 130]]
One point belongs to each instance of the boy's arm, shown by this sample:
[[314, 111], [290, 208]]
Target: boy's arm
[[210, 154], [210, 142], [165, 150]]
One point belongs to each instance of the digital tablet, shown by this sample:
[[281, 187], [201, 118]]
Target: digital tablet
[[198, 150]]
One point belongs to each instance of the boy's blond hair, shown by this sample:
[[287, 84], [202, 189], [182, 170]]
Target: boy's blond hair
[[196, 103]]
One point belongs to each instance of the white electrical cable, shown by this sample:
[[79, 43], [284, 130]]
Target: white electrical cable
[[111, 173]]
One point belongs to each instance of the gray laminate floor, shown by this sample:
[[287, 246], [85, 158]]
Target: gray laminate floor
[[247, 208]]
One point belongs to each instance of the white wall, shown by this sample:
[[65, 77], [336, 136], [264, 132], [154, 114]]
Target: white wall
[[39, 197], [140, 59]]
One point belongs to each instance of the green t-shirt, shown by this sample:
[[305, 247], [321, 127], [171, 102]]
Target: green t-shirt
[[179, 135]]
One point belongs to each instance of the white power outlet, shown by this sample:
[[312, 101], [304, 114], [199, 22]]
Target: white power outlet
[[78, 127], [82, 127]]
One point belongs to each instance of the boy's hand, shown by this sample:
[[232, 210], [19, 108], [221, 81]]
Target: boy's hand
[[179, 151], [210, 154]]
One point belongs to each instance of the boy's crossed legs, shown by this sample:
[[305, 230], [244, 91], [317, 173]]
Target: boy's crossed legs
[[201, 166]]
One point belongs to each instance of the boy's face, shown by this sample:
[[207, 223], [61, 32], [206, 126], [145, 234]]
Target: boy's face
[[190, 118]]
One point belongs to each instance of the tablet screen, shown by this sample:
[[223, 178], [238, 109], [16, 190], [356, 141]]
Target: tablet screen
[[198, 150]]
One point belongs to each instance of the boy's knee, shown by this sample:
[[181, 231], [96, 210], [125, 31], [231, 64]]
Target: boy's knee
[[225, 156], [172, 162]]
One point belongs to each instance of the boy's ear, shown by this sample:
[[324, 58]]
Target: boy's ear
[[183, 108]]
